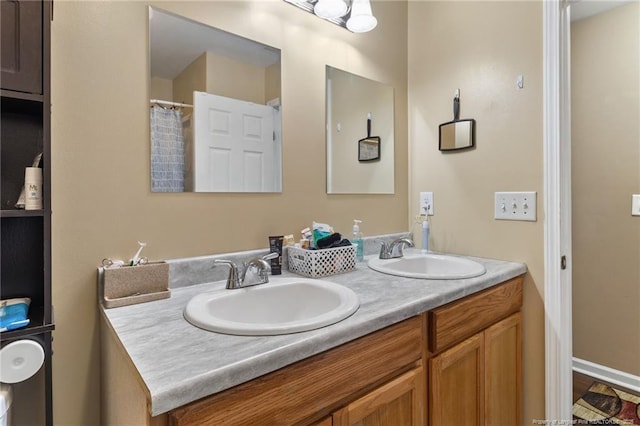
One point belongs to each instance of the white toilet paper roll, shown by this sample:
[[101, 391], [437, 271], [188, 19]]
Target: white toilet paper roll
[[20, 360]]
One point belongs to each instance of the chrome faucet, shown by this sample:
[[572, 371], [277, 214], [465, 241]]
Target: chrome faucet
[[386, 250], [254, 272]]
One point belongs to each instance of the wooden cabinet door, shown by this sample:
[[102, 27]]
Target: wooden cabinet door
[[456, 395], [400, 402], [503, 372], [21, 45]]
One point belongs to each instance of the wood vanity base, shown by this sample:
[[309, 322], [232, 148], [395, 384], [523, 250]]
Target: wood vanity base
[[313, 388], [460, 363]]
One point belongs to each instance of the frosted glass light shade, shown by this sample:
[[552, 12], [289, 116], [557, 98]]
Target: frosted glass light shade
[[362, 19], [330, 9]]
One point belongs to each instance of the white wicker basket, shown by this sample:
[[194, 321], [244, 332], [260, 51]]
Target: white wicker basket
[[321, 263]]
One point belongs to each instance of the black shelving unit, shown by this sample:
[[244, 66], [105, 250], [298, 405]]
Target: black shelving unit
[[25, 131]]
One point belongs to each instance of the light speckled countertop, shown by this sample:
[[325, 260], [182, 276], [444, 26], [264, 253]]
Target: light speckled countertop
[[180, 363]]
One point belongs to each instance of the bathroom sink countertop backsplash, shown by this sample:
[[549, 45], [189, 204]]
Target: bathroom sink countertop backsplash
[[180, 363]]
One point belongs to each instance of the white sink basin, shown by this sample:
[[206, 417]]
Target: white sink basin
[[428, 266], [282, 306]]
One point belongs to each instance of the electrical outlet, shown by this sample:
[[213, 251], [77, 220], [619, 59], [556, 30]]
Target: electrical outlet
[[635, 205], [515, 206], [426, 203]]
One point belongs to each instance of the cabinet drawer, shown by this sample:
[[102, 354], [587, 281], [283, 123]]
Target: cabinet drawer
[[455, 321], [309, 390]]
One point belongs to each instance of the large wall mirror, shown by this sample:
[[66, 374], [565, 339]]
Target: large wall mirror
[[360, 135], [215, 109]]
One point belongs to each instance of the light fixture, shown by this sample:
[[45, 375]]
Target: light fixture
[[330, 9], [361, 19], [354, 15]]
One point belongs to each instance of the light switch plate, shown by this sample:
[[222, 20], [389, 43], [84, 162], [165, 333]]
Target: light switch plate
[[515, 206], [635, 205]]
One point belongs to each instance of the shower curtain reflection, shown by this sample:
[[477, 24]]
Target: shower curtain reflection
[[167, 150]]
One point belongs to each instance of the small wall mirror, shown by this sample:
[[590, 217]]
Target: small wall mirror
[[215, 109], [456, 135], [360, 134]]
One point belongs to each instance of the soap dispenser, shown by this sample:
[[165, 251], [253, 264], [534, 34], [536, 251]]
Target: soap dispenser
[[356, 238]]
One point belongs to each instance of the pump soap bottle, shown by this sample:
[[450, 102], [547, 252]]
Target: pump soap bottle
[[357, 240]]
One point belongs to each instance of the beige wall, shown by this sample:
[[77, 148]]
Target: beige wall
[[161, 88], [605, 80], [272, 82], [192, 78], [228, 77], [102, 202], [480, 48], [235, 79]]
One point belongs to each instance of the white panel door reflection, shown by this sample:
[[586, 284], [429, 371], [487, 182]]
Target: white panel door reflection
[[234, 145]]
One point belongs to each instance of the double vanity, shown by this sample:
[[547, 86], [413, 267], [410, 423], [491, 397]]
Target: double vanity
[[433, 350]]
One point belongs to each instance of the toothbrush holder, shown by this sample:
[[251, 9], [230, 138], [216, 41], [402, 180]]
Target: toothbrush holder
[[128, 285]]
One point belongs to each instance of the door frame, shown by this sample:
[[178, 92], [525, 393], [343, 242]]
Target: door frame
[[557, 205]]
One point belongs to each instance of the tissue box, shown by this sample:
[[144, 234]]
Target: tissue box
[[129, 285], [321, 263]]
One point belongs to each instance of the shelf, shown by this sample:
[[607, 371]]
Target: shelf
[[29, 104], [22, 213], [37, 326], [25, 132], [21, 95]]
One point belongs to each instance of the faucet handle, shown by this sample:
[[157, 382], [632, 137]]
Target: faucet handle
[[272, 255], [264, 272], [384, 250], [233, 280], [232, 265]]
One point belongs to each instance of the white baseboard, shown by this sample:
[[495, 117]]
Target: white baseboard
[[607, 374]]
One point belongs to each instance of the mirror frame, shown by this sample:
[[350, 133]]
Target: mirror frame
[[369, 149], [472, 136]]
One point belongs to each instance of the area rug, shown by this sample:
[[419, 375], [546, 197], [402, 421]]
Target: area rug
[[603, 404]]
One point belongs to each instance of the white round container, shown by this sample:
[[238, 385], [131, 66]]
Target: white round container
[[20, 360]]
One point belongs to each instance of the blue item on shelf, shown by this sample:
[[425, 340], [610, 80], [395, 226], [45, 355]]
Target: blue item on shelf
[[13, 313]]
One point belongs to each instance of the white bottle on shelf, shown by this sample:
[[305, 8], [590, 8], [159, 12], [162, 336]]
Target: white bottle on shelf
[[33, 188]]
